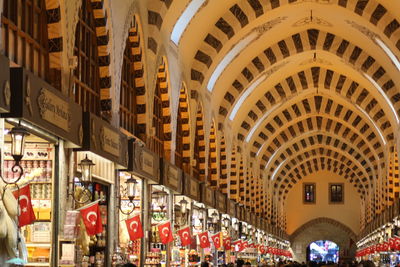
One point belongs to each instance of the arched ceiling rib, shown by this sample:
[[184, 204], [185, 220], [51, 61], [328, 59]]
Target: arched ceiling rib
[[324, 92]]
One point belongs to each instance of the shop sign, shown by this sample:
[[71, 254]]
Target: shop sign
[[171, 176], [396, 207], [104, 140], [109, 141], [34, 100], [241, 214], [5, 90], [143, 162], [191, 187], [207, 195], [220, 199], [232, 208]]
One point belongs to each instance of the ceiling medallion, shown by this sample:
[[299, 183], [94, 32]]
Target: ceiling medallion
[[317, 60], [367, 32], [269, 25], [325, 2], [312, 20]]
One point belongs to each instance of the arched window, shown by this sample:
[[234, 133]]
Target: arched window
[[87, 81], [25, 38], [128, 90]]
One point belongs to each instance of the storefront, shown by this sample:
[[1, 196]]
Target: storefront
[[171, 178], [224, 223], [144, 164], [52, 123], [105, 151], [197, 216], [212, 220]]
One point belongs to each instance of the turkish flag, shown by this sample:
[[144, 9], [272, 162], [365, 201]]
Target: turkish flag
[[204, 241], [262, 249], [397, 243], [184, 235], [245, 244], [92, 219], [227, 243], [239, 244], [134, 227], [216, 240], [392, 243], [25, 214], [165, 232]]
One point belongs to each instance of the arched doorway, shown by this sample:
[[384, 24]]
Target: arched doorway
[[323, 251]]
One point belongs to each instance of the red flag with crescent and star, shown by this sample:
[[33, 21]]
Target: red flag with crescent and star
[[165, 232], [26, 215], [204, 240], [216, 240], [134, 226], [227, 243], [184, 235], [92, 219]]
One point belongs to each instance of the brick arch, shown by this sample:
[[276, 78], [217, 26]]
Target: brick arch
[[200, 145], [212, 157], [157, 9], [223, 164], [234, 176], [183, 128], [333, 222], [327, 159], [244, 12], [272, 60], [103, 47], [161, 132]]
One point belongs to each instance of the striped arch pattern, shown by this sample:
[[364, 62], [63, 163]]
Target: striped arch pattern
[[247, 189], [245, 11], [394, 179], [242, 182], [258, 190], [234, 178], [55, 39], [223, 182], [156, 11], [212, 158], [137, 44], [184, 111], [201, 143], [166, 110], [253, 192], [103, 38]]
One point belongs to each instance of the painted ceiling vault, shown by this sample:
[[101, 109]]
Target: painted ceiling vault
[[302, 85]]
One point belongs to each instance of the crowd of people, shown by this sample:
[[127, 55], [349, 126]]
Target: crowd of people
[[242, 263]]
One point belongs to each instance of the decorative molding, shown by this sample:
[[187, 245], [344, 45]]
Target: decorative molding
[[312, 21]]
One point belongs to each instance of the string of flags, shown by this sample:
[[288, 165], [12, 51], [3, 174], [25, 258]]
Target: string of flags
[[135, 231], [393, 244]]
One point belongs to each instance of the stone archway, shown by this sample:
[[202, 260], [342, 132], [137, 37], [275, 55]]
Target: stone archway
[[323, 229]]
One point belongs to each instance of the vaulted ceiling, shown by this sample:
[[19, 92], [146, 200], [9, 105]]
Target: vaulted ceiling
[[304, 85]]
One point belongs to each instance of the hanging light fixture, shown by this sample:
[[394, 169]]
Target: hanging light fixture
[[226, 222], [18, 135], [85, 180], [130, 193], [161, 198], [183, 204]]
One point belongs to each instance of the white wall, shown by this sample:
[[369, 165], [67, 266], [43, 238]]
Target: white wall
[[299, 213]]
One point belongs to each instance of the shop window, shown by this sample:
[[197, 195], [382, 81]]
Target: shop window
[[25, 38], [128, 90], [87, 81], [336, 192], [309, 193], [158, 123]]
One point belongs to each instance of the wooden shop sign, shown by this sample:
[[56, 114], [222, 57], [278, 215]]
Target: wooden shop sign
[[143, 162], [34, 100], [232, 207], [241, 213], [104, 140], [220, 199], [5, 90], [171, 176], [207, 195], [191, 187]]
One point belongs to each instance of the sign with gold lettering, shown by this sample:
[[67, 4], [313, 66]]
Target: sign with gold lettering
[[147, 161], [232, 208], [143, 162], [5, 90], [192, 187], [171, 176], [109, 141], [54, 109], [207, 195], [220, 201]]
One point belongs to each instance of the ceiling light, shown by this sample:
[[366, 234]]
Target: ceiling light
[[228, 59], [184, 19]]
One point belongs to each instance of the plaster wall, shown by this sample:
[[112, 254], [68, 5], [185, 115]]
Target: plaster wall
[[299, 213]]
